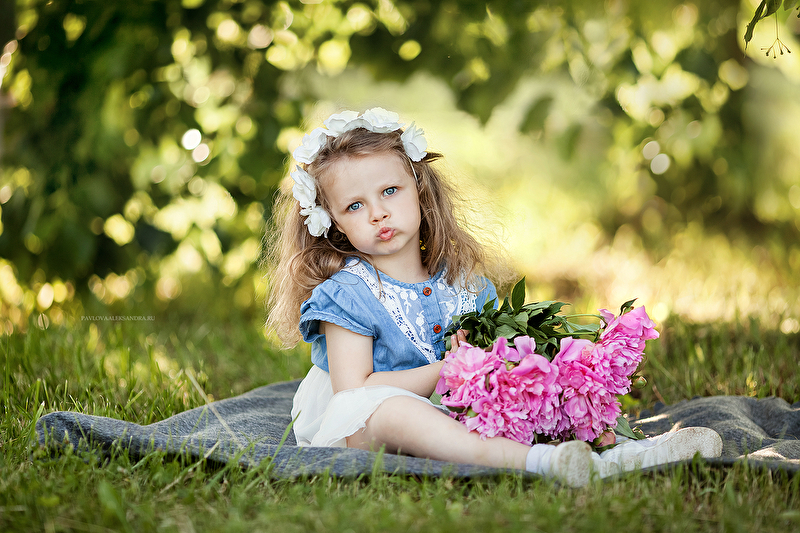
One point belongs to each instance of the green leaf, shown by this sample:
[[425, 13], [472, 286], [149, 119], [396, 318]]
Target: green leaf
[[537, 306], [551, 348], [518, 295], [506, 307], [507, 320], [533, 312], [772, 7], [748, 34], [505, 331], [624, 429], [627, 306], [555, 307], [789, 4]]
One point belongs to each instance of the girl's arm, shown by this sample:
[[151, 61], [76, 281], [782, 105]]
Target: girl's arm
[[350, 365]]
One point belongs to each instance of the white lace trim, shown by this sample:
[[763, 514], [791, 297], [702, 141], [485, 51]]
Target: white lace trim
[[407, 312], [464, 298]]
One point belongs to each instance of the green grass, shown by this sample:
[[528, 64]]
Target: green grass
[[137, 371]]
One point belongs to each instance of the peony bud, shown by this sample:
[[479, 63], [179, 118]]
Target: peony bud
[[606, 438], [639, 383]]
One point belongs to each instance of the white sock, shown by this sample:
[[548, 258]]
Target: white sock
[[538, 459]]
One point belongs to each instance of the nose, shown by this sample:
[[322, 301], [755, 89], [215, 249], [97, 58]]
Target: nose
[[379, 213]]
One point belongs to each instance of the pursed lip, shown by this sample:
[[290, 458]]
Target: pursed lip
[[386, 234]]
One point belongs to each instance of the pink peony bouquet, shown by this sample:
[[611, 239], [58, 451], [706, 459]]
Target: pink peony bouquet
[[562, 388]]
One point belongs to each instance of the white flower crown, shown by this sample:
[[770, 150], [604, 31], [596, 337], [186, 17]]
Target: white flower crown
[[377, 120]]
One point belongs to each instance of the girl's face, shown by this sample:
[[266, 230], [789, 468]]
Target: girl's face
[[374, 202]]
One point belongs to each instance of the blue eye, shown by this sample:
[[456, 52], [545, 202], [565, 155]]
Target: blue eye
[[355, 206], [390, 191]]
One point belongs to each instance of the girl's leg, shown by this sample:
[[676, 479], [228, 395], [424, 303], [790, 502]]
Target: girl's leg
[[407, 425], [404, 424]]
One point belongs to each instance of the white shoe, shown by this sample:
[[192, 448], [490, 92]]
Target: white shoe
[[604, 468], [571, 463], [670, 447]]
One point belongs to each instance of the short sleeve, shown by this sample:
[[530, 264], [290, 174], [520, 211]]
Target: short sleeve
[[339, 302], [486, 294]]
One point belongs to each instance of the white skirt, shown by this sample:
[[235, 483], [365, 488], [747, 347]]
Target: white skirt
[[326, 419]]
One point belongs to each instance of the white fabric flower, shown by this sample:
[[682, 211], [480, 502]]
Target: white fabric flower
[[317, 220], [311, 145], [341, 122], [414, 142], [381, 120], [304, 190], [358, 123]]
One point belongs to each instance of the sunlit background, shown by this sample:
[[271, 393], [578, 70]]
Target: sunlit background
[[616, 149]]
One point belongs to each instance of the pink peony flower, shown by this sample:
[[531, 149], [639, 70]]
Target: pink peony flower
[[539, 391], [504, 392], [525, 345], [502, 351], [498, 417], [623, 342], [464, 375], [635, 324], [589, 405], [516, 393]]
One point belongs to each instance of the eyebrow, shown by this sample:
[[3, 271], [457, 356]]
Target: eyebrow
[[349, 200], [385, 184]]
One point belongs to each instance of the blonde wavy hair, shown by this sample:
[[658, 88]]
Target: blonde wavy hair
[[298, 261]]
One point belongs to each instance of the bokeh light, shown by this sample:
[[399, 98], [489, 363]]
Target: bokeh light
[[660, 164], [191, 139], [614, 151]]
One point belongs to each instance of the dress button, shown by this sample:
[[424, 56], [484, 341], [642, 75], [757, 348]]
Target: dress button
[[426, 291], [437, 328]]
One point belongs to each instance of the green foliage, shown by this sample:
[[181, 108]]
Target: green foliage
[[538, 320], [104, 92], [97, 182]]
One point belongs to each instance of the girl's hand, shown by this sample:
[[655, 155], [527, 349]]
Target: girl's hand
[[456, 339]]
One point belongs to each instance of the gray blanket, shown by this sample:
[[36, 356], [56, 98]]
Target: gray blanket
[[252, 428]]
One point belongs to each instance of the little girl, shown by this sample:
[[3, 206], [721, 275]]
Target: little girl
[[372, 266]]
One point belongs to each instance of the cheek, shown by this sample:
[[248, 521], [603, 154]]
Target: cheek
[[349, 226], [416, 210]]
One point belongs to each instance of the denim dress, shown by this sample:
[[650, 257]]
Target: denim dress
[[407, 323]]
